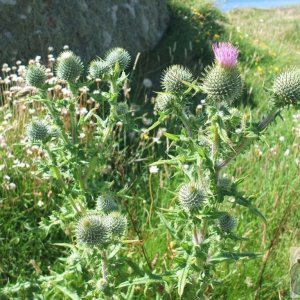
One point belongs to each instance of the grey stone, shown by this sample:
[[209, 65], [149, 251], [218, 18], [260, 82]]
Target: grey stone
[[89, 27]]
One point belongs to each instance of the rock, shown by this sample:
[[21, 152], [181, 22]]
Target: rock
[[89, 27]]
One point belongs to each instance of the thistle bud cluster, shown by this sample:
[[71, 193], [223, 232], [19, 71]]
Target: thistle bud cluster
[[104, 226], [115, 58]]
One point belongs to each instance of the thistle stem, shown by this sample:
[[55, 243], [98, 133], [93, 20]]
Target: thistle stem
[[104, 266], [185, 121]]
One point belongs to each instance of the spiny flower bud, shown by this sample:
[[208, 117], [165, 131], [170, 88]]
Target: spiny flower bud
[[91, 231], [287, 88], [222, 84], [98, 68], [118, 56], [173, 78], [69, 66], [38, 131], [227, 222], [164, 101], [122, 109], [106, 204], [116, 223], [191, 196], [36, 75], [224, 184]]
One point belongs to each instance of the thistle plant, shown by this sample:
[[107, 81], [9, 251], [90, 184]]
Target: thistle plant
[[204, 224], [77, 131]]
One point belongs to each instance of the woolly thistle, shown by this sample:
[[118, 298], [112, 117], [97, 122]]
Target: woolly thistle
[[287, 88], [38, 131], [173, 78], [69, 66], [118, 56], [98, 68], [106, 204], [36, 75], [221, 84], [91, 231], [115, 223], [191, 196], [227, 222], [164, 101]]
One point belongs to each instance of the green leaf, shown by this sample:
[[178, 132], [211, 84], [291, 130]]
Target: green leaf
[[183, 276], [232, 256], [68, 293], [247, 203], [171, 136], [147, 279], [168, 225]]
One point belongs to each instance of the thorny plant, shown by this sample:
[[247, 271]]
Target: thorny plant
[[203, 224], [84, 123]]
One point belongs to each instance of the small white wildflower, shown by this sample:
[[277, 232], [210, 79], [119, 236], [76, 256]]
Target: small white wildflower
[[287, 152], [6, 177], [153, 169], [2, 167], [281, 138], [147, 83], [40, 203], [82, 135], [238, 131], [83, 111], [66, 47], [12, 186], [203, 102]]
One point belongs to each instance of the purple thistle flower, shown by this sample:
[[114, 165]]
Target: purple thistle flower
[[226, 54]]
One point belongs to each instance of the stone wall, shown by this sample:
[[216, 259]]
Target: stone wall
[[89, 27]]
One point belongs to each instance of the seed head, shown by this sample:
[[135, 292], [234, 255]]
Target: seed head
[[91, 231], [118, 56], [227, 222], [287, 88], [191, 196], [115, 223], [173, 78], [98, 68], [221, 84], [38, 131], [36, 75], [106, 204], [69, 66]]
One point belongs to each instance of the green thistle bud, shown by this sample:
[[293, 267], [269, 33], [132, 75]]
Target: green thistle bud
[[227, 222], [36, 75], [98, 68], [122, 109], [38, 131], [69, 66], [106, 204], [173, 78], [164, 101], [222, 84], [118, 56], [115, 223], [191, 196], [225, 184], [287, 88], [91, 231]]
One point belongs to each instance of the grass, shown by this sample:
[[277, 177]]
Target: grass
[[270, 168]]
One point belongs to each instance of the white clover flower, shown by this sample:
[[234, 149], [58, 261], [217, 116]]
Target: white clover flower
[[6, 178], [153, 170]]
